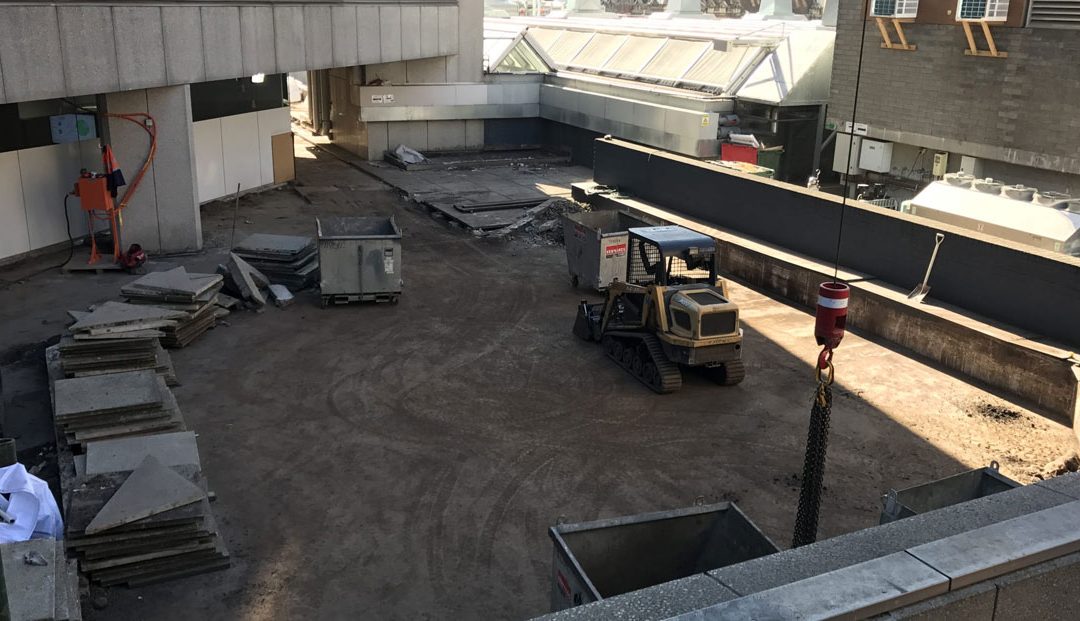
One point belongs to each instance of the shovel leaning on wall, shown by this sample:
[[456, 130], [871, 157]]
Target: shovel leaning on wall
[[921, 290]]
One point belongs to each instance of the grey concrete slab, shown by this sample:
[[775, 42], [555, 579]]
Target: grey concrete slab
[[221, 42], [346, 48], [997, 549], [658, 602], [974, 603], [125, 454], [118, 313], [1068, 484], [90, 52], [390, 33], [30, 53], [140, 46], [446, 135], [86, 38], [368, 35], [410, 133], [318, 37], [182, 26], [150, 489], [175, 180], [859, 546], [448, 30], [410, 32], [429, 31], [257, 39], [289, 38], [857, 591], [107, 393], [474, 131], [1050, 590], [31, 589], [244, 277], [175, 280]]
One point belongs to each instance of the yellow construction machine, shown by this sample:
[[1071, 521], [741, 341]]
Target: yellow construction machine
[[672, 310]]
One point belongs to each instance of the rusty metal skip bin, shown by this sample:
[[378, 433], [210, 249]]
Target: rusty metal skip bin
[[359, 259]]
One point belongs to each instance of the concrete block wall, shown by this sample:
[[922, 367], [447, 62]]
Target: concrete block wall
[[72, 49], [1019, 109]]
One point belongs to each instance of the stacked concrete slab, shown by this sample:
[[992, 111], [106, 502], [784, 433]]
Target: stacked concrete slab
[[114, 405], [289, 260], [41, 583], [143, 524], [194, 295], [82, 357]]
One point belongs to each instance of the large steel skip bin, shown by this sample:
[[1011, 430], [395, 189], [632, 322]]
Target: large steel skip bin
[[359, 259], [945, 492], [594, 560], [596, 246]]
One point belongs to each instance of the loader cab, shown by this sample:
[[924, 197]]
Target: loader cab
[[670, 255]]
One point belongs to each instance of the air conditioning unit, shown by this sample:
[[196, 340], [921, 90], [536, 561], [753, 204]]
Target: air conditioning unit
[[876, 156], [982, 10], [972, 166], [941, 164], [900, 9]]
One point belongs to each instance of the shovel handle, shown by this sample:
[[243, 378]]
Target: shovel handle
[[938, 238]]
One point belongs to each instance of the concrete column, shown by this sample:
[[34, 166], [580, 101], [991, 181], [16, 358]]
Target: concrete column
[[163, 215], [467, 65]]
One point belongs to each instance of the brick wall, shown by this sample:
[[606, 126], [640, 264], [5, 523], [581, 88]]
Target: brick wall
[[1028, 101]]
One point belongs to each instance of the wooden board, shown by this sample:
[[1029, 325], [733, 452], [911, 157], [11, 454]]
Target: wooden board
[[281, 148]]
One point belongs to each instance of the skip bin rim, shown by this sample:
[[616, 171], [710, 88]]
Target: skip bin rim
[[556, 532], [359, 236]]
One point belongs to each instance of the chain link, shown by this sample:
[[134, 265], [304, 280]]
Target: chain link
[[817, 441]]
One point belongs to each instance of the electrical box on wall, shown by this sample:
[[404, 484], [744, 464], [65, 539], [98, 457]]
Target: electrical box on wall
[[840, 154], [941, 164], [876, 156], [972, 166]]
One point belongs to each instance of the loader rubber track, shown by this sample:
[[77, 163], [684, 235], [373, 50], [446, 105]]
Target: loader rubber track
[[643, 357], [727, 374]]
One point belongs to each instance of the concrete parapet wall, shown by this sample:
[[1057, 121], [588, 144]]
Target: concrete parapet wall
[[1031, 289]]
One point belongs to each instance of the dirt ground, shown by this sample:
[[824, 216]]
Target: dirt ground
[[406, 461]]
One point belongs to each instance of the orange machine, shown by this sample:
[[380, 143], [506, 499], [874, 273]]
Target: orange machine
[[97, 197], [97, 202]]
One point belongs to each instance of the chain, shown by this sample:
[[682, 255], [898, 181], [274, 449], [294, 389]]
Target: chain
[[817, 441]]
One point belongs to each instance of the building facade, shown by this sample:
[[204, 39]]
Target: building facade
[[1004, 109]]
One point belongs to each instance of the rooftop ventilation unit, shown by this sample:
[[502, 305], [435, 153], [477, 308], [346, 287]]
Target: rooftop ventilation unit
[[1057, 200], [1055, 14], [959, 179], [1018, 192], [987, 186]]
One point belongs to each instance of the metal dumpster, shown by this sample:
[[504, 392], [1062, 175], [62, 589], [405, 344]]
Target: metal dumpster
[[605, 558], [944, 492], [596, 246], [359, 259]]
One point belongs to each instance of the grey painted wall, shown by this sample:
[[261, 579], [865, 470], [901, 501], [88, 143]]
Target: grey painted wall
[[1029, 289], [67, 50], [1020, 109]]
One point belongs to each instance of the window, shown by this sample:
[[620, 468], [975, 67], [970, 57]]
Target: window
[[903, 9], [982, 10], [681, 318]]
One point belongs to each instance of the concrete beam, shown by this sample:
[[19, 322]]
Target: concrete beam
[[140, 48], [30, 53], [221, 42]]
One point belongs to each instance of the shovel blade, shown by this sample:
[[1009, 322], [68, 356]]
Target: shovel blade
[[919, 293]]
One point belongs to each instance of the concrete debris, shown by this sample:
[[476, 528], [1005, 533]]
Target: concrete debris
[[247, 280], [41, 583], [282, 296], [540, 225], [125, 454], [291, 260]]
